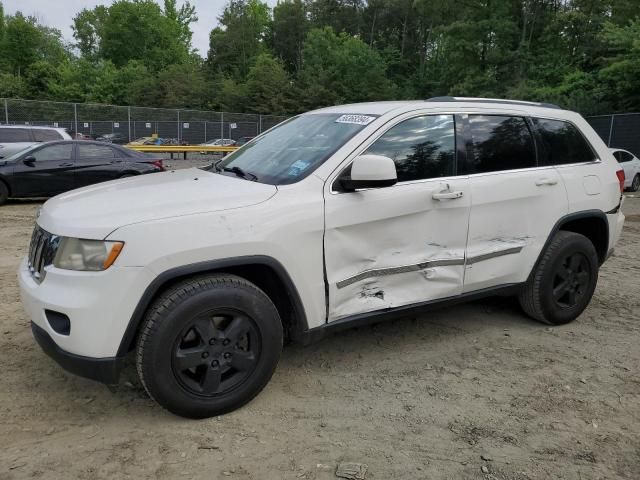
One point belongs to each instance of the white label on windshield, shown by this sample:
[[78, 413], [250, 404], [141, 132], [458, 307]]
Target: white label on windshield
[[356, 119]]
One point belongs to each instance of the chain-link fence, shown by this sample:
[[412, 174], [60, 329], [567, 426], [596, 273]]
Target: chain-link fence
[[620, 130], [184, 126]]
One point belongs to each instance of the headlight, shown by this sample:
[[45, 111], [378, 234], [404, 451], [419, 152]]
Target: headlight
[[87, 255]]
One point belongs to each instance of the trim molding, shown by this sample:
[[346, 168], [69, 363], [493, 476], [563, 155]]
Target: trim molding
[[445, 262]]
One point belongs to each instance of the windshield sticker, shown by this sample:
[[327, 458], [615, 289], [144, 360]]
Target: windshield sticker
[[356, 119], [297, 168]]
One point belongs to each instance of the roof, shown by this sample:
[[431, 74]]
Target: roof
[[32, 126], [455, 103]]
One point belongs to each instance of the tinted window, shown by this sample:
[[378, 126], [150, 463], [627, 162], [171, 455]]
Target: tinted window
[[563, 143], [54, 152], [14, 135], [500, 143], [45, 135], [624, 156], [421, 147], [90, 151]]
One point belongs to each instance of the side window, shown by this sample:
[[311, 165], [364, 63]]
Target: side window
[[625, 157], [500, 143], [92, 151], [563, 143], [61, 151], [14, 135], [421, 147], [618, 156], [45, 135]]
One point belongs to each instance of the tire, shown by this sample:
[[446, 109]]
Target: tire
[[208, 345], [563, 282], [4, 193], [635, 184]]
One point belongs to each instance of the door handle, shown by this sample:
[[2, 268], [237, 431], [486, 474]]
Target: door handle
[[65, 165], [546, 181], [446, 195]]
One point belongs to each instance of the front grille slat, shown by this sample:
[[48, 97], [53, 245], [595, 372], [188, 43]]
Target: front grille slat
[[42, 250]]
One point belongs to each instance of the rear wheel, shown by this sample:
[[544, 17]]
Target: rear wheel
[[4, 193], [209, 345], [563, 282], [635, 185]]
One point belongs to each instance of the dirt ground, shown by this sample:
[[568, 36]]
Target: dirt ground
[[472, 391]]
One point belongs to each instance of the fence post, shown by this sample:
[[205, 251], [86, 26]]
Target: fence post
[[75, 118], [6, 112], [221, 124], [260, 128], [610, 130], [129, 121], [179, 126], [205, 131]]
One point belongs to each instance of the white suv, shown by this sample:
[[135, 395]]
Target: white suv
[[334, 218], [16, 138]]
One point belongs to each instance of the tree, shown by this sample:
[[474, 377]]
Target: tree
[[268, 86], [234, 46], [290, 26]]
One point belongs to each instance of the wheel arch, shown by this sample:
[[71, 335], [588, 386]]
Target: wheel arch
[[6, 183], [593, 224], [265, 272]]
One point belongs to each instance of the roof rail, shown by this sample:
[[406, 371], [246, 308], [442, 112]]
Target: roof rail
[[492, 100]]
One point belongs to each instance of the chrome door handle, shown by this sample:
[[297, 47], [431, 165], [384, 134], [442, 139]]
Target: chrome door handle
[[545, 181], [445, 195]]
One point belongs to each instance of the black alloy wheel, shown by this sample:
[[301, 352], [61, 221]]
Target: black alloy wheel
[[216, 352], [571, 280]]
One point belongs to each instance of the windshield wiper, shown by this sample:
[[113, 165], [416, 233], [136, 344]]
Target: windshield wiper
[[241, 173]]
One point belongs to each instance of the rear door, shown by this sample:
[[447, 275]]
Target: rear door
[[50, 172], [515, 201], [404, 244], [96, 163], [14, 140]]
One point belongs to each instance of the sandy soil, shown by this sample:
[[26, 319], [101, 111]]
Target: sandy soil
[[473, 391]]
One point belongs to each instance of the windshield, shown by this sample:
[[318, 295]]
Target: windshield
[[21, 152], [295, 148]]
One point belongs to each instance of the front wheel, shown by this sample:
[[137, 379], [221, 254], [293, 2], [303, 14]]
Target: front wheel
[[563, 282], [209, 345]]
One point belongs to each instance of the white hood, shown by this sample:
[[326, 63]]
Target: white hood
[[95, 211]]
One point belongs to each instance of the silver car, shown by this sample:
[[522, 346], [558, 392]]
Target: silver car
[[15, 138]]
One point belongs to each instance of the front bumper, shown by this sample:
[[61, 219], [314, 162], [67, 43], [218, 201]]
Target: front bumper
[[98, 306], [104, 370]]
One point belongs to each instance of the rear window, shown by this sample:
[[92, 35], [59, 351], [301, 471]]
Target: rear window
[[623, 156], [14, 135], [562, 143], [500, 143], [89, 151], [45, 135]]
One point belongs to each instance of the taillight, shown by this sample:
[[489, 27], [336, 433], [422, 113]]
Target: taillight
[[158, 163], [620, 175]]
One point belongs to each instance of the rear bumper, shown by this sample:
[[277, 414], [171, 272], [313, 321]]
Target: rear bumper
[[104, 370]]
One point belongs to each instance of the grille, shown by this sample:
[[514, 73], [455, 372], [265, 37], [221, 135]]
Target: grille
[[42, 251]]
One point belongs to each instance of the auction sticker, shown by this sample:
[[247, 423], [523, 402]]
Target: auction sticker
[[356, 119]]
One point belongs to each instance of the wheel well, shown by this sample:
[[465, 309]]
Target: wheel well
[[595, 229], [6, 184], [263, 276]]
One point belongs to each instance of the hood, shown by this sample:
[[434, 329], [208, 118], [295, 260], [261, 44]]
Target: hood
[[95, 211]]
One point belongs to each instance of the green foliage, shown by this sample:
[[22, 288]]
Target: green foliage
[[582, 54]]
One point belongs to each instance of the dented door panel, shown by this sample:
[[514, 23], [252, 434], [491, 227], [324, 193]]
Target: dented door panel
[[395, 246]]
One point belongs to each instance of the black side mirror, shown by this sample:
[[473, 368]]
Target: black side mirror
[[30, 160]]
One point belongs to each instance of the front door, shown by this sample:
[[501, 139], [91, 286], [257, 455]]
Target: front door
[[49, 171], [405, 244]]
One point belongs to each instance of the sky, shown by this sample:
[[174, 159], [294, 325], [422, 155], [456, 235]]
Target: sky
[[59, 14]]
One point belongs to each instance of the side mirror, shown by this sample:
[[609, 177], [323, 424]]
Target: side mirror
[[370, 171], [29, 160]]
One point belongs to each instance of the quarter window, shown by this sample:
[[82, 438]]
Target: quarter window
[[500, 143], [563, 143], [45, 135], [54, 152], [421, 147], [14, 135], [623, 156]]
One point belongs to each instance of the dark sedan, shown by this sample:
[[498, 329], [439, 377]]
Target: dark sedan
[[51, 168]]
